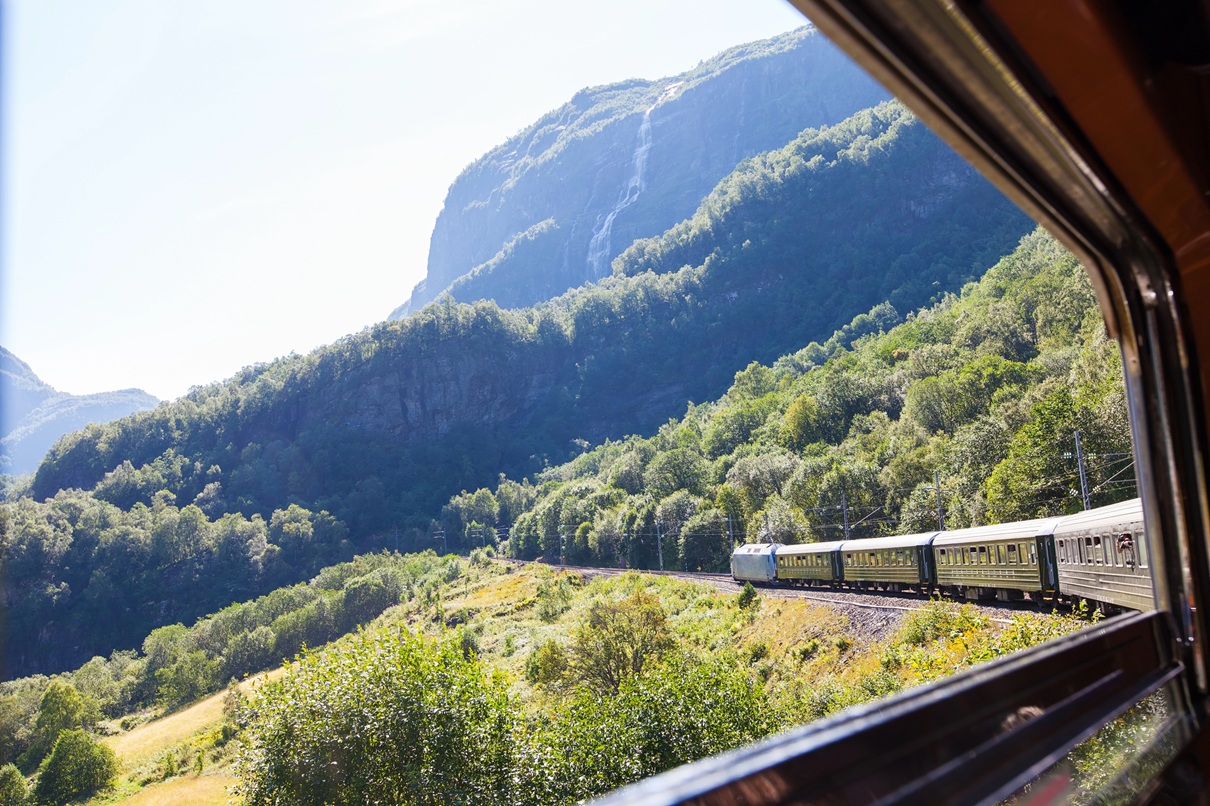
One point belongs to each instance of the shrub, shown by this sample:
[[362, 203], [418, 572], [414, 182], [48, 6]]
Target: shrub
[[78, 765], [747, 597], [382, 717], [664, 717], [13, 791], [546, 665]]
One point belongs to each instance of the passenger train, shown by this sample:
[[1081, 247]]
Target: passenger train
[[1099, 556]]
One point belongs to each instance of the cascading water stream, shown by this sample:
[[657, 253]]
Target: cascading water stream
[[599, 246]]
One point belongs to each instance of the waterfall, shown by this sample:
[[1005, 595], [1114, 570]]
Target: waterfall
[[599, 246]]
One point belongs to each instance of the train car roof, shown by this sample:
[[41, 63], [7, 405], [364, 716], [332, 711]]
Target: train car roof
[[999, 531], [811, 548], [757, 548], [892, 542], [1121, 513]]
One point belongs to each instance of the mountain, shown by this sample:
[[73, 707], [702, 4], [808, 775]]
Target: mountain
[[381, 427], [33, 415], [549, 209]]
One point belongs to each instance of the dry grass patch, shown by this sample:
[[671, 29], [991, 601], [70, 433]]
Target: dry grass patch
[[149, 740], [190, 790]]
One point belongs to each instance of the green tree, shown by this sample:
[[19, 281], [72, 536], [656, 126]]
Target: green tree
[[13, 791], [660, 719], [78, 765], [384, 717], [62, 708], [677, 469], [616, 640]]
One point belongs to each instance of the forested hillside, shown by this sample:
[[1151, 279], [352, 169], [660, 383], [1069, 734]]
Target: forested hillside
[[381, 427], [549, 209], [374, 433], [975, 399], [34, 414]]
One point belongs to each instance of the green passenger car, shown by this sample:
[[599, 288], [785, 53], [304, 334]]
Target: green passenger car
[[892, 563], [1004, 561], [810, 563]]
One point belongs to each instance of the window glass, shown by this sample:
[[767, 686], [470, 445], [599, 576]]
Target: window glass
[[1012, 554]]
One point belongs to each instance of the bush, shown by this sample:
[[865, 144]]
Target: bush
[[747, 596], [78, 765], [380, 718], [660, 719], [546, 665], [13, 791]]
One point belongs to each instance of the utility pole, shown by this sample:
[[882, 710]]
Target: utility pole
[[659, 544], [730, 531], [1083, 478], [940, 516], [844, 505], [562, 561]]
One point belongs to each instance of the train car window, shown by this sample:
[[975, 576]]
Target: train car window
[[1012, 554], [1098, 551], [1000, 559]]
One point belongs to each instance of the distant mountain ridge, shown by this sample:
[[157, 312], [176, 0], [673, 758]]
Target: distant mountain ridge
[[33, 414], [553, 206]]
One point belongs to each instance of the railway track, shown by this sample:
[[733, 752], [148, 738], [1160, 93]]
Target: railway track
[[887, 601]]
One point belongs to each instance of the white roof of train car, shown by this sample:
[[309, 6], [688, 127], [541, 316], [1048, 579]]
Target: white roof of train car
[[758, 548], [999, 531], [811, 548], [1121, 514], [892, 542]]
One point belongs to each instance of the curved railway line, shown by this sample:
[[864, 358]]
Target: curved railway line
[[888, 601]]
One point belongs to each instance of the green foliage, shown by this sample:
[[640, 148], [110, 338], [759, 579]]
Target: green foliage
[[616, 640], [547, 665], [664, 717], [61, 708], [78, 765], [385, 717], [13, 791], [73, 561], [747, 597], [979, 395], [554, 597]]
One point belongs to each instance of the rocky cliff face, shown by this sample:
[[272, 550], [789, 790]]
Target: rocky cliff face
[[550, 209]]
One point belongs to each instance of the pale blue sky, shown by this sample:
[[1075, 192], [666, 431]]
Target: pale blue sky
[[192, 186]]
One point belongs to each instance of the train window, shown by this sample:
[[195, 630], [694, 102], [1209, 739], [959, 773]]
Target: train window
[[966, 555], [1033, 555], [1000, 555], [1012, 554], [983, 555], [1098, 551]]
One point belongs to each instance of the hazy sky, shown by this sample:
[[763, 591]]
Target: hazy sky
[[192, 186]]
